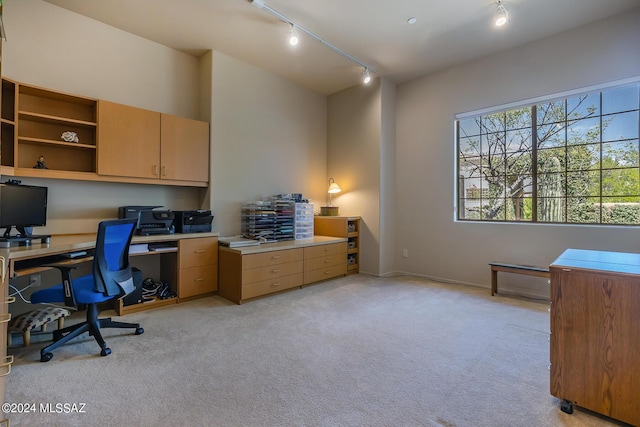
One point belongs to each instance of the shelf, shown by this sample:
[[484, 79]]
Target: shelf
[[74, 145], [134, 308], [45, 118]]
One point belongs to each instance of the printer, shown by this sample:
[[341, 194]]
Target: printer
[[152, 220], [197, 221]]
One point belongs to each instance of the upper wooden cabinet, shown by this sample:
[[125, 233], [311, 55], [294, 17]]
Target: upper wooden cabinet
[[115, 142], [128, 141], [184, 148], [145, 144]]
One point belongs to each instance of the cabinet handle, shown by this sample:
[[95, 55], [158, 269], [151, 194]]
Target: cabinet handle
[[275, 270], [10, 300], [200, 251], [164, 170], [199, 279], [8, 361], [2, 272], [275, 284], [275, 257], [327, 272], [155, 170], [327, 261], [4, 318]]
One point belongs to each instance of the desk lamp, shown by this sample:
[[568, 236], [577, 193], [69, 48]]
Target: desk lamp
[[331, 210]]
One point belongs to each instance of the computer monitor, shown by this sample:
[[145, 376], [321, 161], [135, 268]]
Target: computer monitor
[[22, 207]]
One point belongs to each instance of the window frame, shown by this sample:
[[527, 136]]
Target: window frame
[[532, 106]]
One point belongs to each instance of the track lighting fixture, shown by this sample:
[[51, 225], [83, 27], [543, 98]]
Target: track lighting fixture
[[294, 38], [502, 16], [366, 77]]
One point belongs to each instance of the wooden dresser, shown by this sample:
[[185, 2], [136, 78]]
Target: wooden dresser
[[255, 271], [595, 332]]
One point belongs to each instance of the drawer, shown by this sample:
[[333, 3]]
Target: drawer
[[198, 280], [270, 272], [323, 250], [199, 251], [265, 287], [324, 261], [325, 273], [271, 258]]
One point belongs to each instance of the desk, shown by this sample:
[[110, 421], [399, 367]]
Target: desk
[[595, 332], [190, 270]]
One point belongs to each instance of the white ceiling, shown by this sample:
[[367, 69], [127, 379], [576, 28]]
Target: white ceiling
[[375, 32]]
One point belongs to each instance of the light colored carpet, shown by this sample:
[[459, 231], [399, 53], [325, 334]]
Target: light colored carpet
[[357, 351]]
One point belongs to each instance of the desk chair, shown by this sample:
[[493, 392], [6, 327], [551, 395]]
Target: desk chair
[[111, 279]]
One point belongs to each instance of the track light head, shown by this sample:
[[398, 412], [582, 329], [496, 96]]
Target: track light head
[[366, 76], [293, 36], [502, 15]]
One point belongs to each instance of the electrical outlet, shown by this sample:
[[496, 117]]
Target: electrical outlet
[[35, 280], [405, 253]]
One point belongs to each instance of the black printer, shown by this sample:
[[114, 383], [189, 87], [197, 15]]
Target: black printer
[[198, 221], [151, 219]]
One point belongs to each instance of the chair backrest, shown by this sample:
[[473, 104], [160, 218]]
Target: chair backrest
[[111, 268]]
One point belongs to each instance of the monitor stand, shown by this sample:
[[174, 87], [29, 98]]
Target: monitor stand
[[24, 238]]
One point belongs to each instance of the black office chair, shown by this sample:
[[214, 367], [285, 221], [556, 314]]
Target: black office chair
[[112, 278]]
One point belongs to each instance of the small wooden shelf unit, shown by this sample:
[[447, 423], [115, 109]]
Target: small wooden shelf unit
[[342, 226]]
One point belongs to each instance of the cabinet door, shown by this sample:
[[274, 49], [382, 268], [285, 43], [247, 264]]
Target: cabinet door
[[184, 149], [128, 141]]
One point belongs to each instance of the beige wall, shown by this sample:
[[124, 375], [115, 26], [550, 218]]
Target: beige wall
[[438, 246], [268, 137], [353, 140]]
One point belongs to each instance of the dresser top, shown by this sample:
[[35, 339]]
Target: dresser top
[[617, 262]]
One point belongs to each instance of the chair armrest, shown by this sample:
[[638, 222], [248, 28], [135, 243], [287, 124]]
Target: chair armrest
[[65, 271]]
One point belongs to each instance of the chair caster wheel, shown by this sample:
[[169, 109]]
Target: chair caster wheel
[[566, 406], [139, 331], [45, 357], [105, 352]]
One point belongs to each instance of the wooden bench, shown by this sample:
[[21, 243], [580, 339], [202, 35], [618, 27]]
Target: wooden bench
[[529, 270]]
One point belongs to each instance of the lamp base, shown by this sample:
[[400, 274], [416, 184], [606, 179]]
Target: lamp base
[[329, 210]]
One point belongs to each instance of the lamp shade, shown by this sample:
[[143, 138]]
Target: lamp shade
[[334, 188]]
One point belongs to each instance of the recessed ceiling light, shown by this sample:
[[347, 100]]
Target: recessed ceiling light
[[412, 21]]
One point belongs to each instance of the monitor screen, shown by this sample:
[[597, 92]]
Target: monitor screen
[[22, 206]]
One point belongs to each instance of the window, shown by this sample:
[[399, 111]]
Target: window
[[571, 160]]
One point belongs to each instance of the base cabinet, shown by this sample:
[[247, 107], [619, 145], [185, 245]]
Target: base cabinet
[[245, 275], [198, 267], [324, 262], [595, 333]]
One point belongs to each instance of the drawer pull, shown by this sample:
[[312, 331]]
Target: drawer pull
[[2, 269], [327, 261], [10, 300], [275, 257], [200, 251], [275, 270], [327, 272], [8, 361], [155, 170], [275, 285], [199, 279], [4, 318]]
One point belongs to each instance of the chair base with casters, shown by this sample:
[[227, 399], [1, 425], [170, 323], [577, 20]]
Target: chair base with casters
[[83, 287]]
